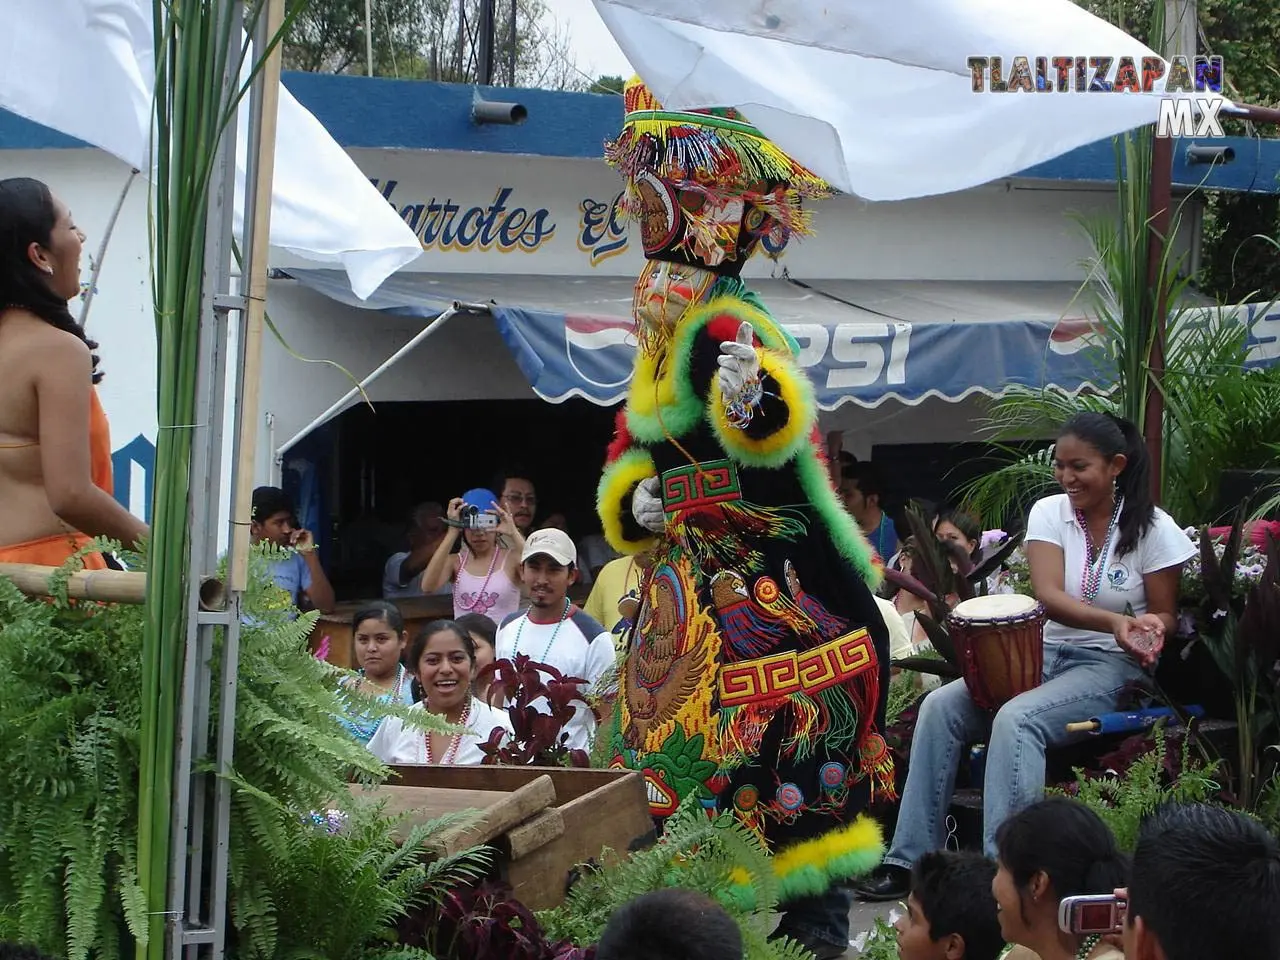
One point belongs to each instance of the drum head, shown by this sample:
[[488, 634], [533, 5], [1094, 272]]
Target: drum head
[[1000, 606]]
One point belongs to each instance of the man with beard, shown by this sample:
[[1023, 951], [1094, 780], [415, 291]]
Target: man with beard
[[555, 633]]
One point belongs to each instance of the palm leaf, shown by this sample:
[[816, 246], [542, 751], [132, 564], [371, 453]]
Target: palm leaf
[[993, 563]]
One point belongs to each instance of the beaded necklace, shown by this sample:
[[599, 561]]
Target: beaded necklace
[[363, 726], [455, 741], [547, 649], [396, 686], [479, 594], [1086, 948], [1095, 562]]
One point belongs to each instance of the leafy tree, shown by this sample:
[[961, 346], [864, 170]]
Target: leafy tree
[[607, 84], [1246, 34], [434, 40]]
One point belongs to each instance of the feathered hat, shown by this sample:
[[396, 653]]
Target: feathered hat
[[706, 185]]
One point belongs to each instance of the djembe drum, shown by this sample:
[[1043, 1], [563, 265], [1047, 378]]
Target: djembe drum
[[1000, 642]]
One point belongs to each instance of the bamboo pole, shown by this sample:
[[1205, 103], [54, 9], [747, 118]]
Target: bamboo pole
[[256, 276], [104, 586]]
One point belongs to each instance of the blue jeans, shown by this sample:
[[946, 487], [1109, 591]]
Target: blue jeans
[[1079, 683], [824, 918]]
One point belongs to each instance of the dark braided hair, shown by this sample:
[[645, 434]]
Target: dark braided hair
[[28, 215], [1110, 436]]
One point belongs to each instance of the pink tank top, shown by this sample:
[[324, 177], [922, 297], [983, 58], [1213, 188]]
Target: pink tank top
[[492, 595]]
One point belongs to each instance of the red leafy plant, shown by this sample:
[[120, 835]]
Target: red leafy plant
[[539, 737], [485, 922]]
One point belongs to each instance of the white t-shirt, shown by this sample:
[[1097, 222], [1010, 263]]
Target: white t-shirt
[[395, 743], [1164, 545], [577, 647]]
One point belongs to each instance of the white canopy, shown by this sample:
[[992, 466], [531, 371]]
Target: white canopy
[[877, 97], [87, 69]]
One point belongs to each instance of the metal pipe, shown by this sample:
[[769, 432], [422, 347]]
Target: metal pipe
[[1159, 205], [368, 36], [386, 365], [102, 250]]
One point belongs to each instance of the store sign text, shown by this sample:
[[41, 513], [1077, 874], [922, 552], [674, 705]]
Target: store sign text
[[501, 225], [854, 354], [602, 229]]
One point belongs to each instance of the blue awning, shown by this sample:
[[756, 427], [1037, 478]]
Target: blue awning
[[862, 342]]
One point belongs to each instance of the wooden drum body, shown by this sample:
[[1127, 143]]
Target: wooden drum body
[[1000, 642]]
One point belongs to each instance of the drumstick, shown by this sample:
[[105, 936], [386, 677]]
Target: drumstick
[[1131, 721]]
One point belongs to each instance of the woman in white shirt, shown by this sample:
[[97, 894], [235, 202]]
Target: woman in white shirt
[[443, 659], [1096, 550]]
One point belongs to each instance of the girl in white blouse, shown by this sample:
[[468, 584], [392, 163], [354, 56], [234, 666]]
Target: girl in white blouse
[[1105, 563], [443, 660]]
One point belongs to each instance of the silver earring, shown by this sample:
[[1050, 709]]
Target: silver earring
[[48, 270]]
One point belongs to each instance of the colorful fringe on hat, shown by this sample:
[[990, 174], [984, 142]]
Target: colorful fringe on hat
[[713, 152]]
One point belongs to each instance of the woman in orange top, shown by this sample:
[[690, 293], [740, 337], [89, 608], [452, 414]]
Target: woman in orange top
[[55, 450]]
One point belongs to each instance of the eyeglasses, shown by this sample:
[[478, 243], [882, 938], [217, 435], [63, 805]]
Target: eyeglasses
[[529, 499]]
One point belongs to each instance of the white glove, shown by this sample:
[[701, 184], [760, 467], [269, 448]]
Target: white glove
[[646, 506], [739, 364]]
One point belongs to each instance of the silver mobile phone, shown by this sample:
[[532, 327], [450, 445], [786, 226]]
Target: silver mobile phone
[[1085, 915]]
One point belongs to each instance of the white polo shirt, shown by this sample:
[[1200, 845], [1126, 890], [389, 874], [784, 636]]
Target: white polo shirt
[[1164, 545]]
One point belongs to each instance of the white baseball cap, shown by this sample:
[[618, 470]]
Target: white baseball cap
[[551, 542]]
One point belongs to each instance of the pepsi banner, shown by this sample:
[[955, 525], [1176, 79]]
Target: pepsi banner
[[945, 344], [860, 362]]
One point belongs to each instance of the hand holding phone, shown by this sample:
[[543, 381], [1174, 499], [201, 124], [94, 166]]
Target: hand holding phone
[[1094, 914]]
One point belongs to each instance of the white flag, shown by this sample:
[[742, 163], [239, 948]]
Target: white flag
[[86, 68], [877, 97]]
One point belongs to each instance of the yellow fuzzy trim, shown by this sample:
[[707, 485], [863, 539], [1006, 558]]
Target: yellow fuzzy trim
[[777, 448], [810, 867], [613, 498]]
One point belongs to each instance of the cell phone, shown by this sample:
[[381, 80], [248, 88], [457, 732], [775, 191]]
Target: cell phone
[[1086, 915]]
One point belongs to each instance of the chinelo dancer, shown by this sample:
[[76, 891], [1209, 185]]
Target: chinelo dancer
[[756, 675]]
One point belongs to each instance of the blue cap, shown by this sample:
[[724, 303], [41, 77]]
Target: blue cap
[[480, 498]]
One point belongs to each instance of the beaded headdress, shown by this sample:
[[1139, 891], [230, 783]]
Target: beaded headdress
[[706, 185]]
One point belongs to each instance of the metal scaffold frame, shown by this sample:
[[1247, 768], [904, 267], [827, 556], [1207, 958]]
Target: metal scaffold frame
[[197, 906]]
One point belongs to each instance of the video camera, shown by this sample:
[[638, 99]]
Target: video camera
[[473, 518]]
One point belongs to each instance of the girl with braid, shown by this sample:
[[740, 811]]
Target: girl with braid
[[55, 447]]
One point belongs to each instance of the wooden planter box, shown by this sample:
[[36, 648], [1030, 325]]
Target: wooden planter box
[[543, 821]]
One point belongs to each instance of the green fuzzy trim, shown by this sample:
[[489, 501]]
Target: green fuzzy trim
[[677, 418], [812, 881], [805, 882], [680, 417], [844, 530], [741, 896], [734, 287], [854, 864]]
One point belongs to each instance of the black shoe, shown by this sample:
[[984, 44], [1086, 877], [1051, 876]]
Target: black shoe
[[820, 949], [886, 883]]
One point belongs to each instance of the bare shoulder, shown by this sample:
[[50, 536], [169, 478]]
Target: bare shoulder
[[46, 347]]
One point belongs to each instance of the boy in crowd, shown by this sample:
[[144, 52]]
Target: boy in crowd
[[670, 924], [863, 490], [300, 574], [1205, 882], [558, 634], [951, 912]]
